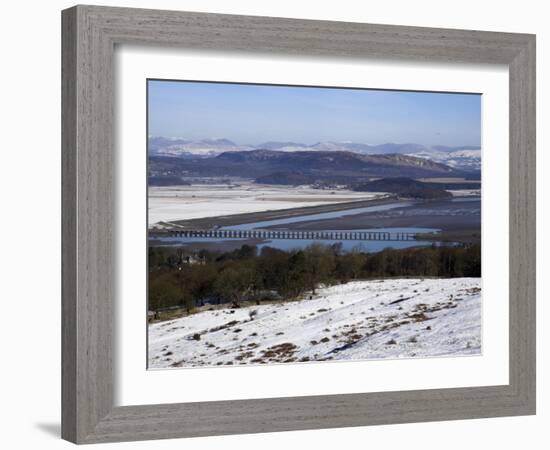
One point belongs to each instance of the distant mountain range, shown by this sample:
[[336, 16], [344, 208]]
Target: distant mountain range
[[162, 146], [296, 168], [465, 158]]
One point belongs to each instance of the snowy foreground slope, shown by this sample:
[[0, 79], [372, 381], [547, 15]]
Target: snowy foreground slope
[[395, 318]]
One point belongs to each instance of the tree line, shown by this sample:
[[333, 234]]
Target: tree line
[[179, 278]]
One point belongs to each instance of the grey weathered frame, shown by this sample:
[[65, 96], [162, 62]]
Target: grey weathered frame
[[89, 36]]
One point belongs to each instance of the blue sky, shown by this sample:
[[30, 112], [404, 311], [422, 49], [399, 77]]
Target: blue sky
[[252, 114]]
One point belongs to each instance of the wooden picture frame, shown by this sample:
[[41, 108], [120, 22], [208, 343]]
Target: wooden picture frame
[[90, 34]]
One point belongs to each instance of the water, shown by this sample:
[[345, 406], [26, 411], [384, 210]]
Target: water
[[291, 244], [347, 245], [465, 199], [393, 230], [320, 216]]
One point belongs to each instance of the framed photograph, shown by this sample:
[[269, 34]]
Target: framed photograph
[[278, 224]]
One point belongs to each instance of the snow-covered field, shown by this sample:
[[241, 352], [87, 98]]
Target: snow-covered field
[[198, 201], [394, 318], [465, 192]]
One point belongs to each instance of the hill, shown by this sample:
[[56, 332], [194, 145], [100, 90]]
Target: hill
[[291, 168], [356, 320], [405, 187]]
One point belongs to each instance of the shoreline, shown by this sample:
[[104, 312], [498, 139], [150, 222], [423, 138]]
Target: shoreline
[[244, 218], [464, 228]]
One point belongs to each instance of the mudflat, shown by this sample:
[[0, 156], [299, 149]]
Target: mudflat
[[239, 219], [458, 218]]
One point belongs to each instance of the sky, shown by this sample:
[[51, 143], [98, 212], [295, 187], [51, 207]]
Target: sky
[[252, 114]]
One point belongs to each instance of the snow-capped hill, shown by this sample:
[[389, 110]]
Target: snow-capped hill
[[467, 153], [160, 146], [329, 146], [469, 160], [282, 146], [446, 148], [379, 319], [220, 141], [463, 158]]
